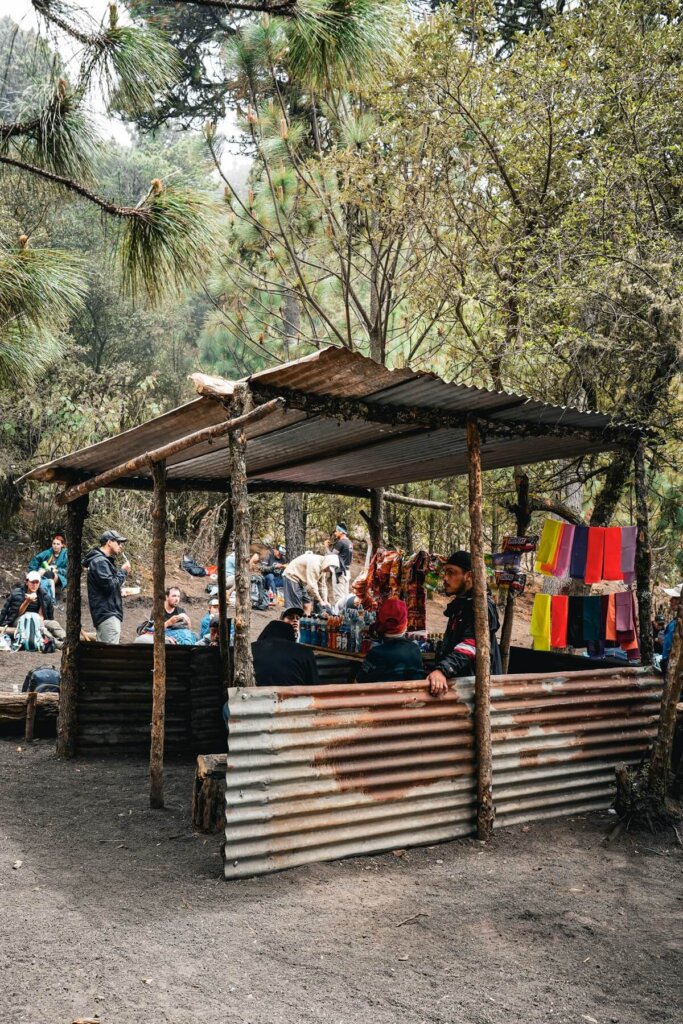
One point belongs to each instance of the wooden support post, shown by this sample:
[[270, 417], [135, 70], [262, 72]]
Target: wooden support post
[[224, 626], [643, 559], [156, 751], [522, 514], [660, 765], [376, 520], [243, 674], [67, 723], [31, 698], [482, 672]]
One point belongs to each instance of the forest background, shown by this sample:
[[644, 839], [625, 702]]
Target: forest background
[[488, 191]]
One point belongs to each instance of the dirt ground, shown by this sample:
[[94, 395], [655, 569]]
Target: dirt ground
[[114, 912]]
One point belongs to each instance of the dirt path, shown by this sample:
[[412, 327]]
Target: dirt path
[[121, 912]]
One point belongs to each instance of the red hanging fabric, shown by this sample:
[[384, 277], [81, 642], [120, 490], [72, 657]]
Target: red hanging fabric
[[612, 558], [559, 612], [595, 555]]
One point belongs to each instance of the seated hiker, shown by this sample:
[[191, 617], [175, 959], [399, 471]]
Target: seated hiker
[[211, 639], [175, 617], [31, 597], [205, 624], [280, 661], [394, 658], [273, 565], [459, 642], [293, 616], [52, 564]]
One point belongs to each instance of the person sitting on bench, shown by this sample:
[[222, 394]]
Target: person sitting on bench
[[394, 658], [280, 661]]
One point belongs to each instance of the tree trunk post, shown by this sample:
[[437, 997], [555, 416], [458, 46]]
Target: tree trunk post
[[156, 752], [295, 534], [223, 624], [522, 521], [67, 724], [243, 664], [482, 673], [660, 764], [376, 518], [643, 559]]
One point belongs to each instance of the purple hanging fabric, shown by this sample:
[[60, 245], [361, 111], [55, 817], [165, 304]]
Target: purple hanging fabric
[[577, 561], [628, 552], [564, 553], [624, 612]]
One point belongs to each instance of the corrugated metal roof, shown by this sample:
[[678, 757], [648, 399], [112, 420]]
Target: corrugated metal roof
[[318, 773], [296, 447]]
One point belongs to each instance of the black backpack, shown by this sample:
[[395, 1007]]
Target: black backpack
[[44, 679], [194, 568]]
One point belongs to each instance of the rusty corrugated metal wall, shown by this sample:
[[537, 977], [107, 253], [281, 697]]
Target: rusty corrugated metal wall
[[320, 773]]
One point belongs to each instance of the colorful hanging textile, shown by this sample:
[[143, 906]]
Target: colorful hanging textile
[[564, 551], [611, 624], [577, 562], [540, 622], [611, 568], [575, 622], [413, 574], [591, 620], [595, 554], [559, 610], [628, 553], [546, 556]]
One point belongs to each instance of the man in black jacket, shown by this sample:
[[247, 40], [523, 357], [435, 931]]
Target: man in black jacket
[[459, 642], [280, 661], [104, 586], [31, 597]]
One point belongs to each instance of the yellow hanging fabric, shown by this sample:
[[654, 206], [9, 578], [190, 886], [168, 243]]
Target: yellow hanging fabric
[[540, 622], [548, 547]]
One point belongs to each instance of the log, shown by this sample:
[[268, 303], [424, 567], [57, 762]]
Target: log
[[157, 455], [156, 751], [407, 499], [67, 724], [208, 795], [243, 664], [13, 705], [482, 672]]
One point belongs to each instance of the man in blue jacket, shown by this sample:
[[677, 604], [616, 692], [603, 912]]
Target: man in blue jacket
[[52, 564], [104, 586]]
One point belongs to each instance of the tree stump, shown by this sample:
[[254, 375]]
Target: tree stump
[[208, 797]]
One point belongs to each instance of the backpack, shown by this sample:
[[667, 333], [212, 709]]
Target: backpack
[[44, 679], [259, 594], [194, 568], [29, 634]]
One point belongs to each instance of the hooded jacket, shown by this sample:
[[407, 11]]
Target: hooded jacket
[[10, 611], [59, 565], [280, 661], [459, 642], [104, 586]]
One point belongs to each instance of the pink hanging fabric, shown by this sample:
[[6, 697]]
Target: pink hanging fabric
[[564, 551]]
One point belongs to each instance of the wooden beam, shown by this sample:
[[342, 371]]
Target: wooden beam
[[482, 672], [333, 407], [223, 630], [166, 451], [407, 499], [67, 723], [156, 752], [243, 674]]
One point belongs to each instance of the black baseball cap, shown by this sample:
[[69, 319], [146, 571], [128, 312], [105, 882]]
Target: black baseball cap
[[112, 535], [462, 559]]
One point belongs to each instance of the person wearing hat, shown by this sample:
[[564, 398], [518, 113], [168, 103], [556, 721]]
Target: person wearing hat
[[31, 597], [343, 549], [273, 565], [212, 636], [394, 658], [104, 586], [459, 642], [674, 595], [52, 564], [280, 661], [205, 624], [293, 616]]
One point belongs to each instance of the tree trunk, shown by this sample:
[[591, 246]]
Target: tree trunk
[[612, 489], [482, 683], [224, 626], [522, 513], [156, 753], [295, 536], [292, 323], [376, 518], [243, 664], [660, 765], [643, 559], [68, 687]]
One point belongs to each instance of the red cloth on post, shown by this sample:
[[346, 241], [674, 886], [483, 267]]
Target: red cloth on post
[[559, 611], [595, 554], [612, 558]]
